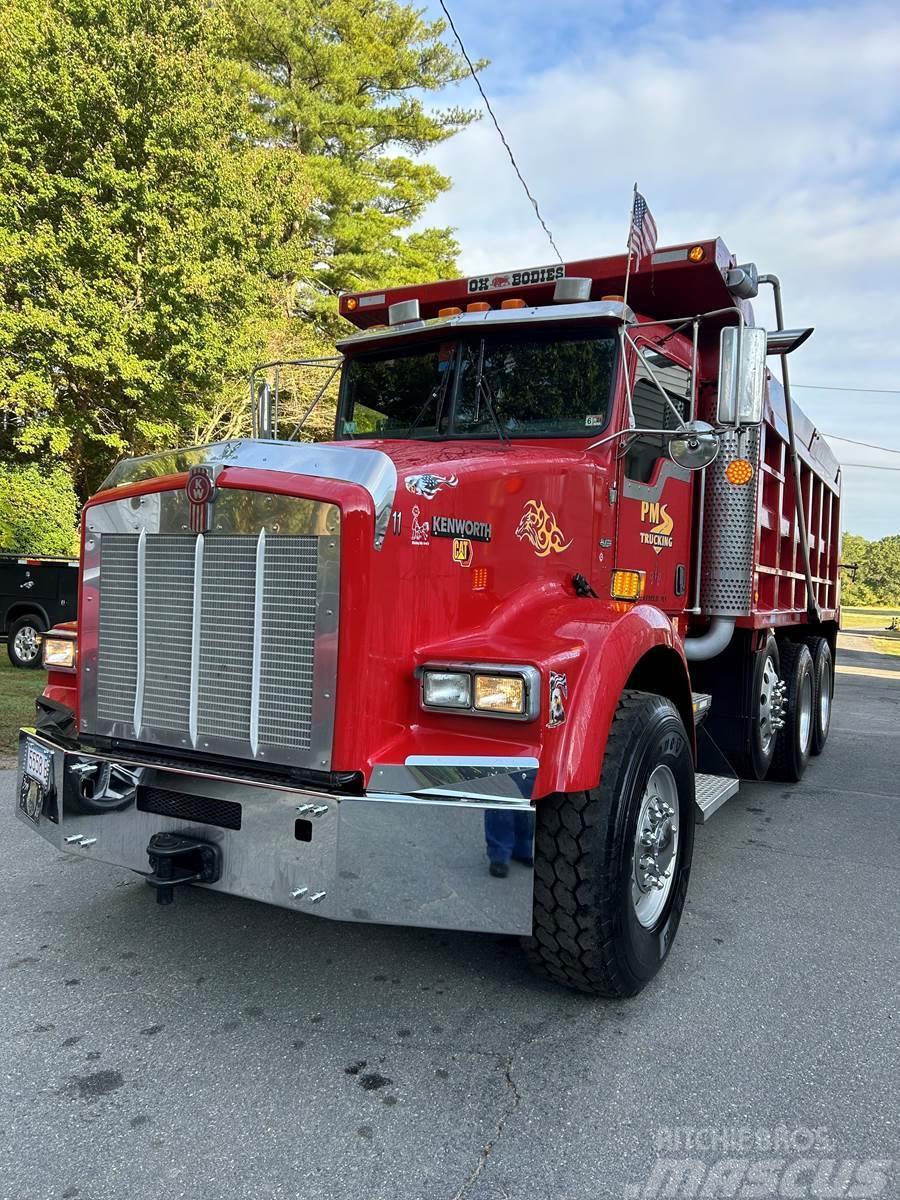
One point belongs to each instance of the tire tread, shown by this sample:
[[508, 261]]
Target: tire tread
[[574, 935]]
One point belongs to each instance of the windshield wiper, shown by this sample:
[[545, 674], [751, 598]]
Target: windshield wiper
[[482, 388], [438, 392]]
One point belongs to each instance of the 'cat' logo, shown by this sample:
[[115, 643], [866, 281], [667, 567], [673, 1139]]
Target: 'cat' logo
[[660, 536]]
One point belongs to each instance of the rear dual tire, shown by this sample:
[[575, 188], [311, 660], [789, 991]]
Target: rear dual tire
[[795, 739], [823, 675], [601, 923], [790, 702], [764, 707]]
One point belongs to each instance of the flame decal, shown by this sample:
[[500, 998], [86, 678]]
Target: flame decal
[[539, 527]]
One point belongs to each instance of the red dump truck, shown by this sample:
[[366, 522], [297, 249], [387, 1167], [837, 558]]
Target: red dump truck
[[567, 570]]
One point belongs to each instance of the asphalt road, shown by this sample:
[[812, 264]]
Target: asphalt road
[[220, 1048]]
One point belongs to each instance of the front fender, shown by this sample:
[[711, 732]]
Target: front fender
[[572, 754], [592, 648]]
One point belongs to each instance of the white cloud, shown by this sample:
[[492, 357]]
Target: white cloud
[[779, 132]]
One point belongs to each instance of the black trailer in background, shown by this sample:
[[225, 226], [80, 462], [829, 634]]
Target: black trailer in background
[[36, 593]]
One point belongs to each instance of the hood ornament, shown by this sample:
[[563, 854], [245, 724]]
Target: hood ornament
[[200, 490]]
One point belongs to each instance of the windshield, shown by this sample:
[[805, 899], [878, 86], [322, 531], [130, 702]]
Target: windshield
[[511, 384]]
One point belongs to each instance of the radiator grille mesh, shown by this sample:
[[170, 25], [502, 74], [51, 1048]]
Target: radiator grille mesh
[[226, 612], [117, 679]]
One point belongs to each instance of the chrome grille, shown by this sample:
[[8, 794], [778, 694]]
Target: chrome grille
[[224, 642], [118, 622], [226, 635]]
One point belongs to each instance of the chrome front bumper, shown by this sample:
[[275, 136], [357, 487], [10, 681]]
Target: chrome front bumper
[[412, 856]]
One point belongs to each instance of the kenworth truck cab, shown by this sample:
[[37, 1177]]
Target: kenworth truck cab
[[567, 569]]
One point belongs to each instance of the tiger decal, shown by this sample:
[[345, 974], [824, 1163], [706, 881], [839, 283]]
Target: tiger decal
[[538, 526]]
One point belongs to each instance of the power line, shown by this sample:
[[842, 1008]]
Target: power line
[[869, 445], [827, 387], [870, 466], [512, 159]]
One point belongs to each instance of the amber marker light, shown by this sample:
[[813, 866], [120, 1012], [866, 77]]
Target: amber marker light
[[739, 471], [351, 303], [478, 306], [512, 303], [451, 311], [696, 254], [627, 585]]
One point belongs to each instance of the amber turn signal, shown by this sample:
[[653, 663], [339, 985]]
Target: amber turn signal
[[696, 254], [627, 585]]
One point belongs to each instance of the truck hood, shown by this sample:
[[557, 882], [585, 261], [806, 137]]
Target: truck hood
[[385, 469]]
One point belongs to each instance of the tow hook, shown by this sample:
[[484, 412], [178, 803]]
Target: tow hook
[[175, 860]]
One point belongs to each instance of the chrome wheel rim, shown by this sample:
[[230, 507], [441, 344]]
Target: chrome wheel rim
[[655, 847], [769, 706], [805, 711], [825, 699], [25, 644]]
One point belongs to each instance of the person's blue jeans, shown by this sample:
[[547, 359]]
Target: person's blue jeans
[[508, 834]]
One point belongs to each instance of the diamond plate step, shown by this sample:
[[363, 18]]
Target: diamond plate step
[[712, 792]]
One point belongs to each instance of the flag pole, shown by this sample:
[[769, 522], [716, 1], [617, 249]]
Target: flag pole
[[625, 301], [630, 232]]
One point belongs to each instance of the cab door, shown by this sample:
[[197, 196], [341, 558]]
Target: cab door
[[655, 495]]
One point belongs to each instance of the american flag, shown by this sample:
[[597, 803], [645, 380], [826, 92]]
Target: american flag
[[643, 228]]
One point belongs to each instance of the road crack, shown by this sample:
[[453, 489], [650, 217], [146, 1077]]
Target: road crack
[[514, 1100]]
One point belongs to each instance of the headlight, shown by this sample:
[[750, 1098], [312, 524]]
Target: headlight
[[58, 653], [500, 693], [481, 689], [446, 689]]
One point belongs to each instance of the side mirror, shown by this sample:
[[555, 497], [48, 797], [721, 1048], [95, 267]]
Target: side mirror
[[695, 446], [742, 375]]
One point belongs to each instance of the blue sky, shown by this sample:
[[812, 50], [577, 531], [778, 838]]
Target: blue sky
[[775, 126]]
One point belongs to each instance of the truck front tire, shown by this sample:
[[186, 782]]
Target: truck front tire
[[22, 644], [612, 865]]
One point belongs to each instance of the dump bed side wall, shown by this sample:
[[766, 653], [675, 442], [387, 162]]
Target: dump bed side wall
[[779, 592]]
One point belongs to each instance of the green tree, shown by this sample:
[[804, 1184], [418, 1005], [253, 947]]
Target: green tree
[[882, 570], [341, 82], [878, 576], [855, 591], [38, 511], [142, 234]]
